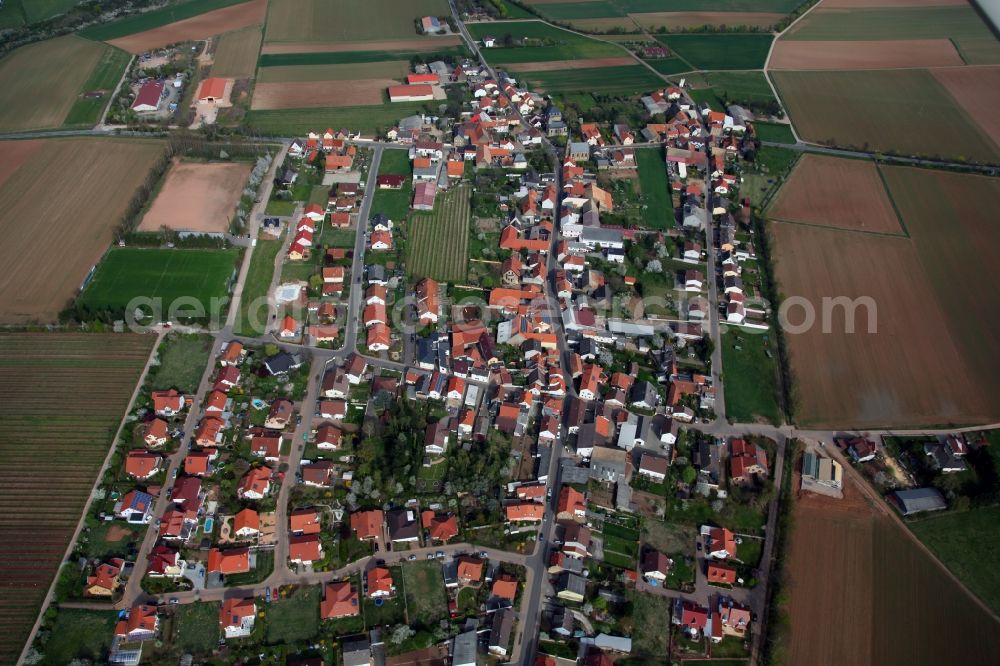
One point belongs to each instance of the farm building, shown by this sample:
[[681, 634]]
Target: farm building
[[918, 500], [423, 196], [430, 24], [415, 93], [149, 97], [422, 78], [212, 89]]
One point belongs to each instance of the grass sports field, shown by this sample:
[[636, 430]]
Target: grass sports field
[[893, 110], [127, 273], [154, 19], [659, 211], [346, 21], [236, 55], [721, 51], [47, 263], [626, 79], [69, 66], [439, 243], [62, 396], [366, 119]]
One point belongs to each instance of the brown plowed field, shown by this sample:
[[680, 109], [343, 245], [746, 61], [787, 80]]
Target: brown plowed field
[[654, 20], [882, 54], [554, 65], [236, 55], [833, 192], [421, 44], [57, 214], [862, 593], [909, 372], [977, 90], [319, 94], [197, 197], [202, 26], [15, 153]]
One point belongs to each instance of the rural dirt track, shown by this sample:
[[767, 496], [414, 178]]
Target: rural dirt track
[[850, 55], [50, 242], [197, 197], [319, 94], [202, 26], [424, 44], [846, 194], [977, 90], [553, 65]]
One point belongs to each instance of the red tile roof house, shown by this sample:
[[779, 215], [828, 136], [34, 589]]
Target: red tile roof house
[[339, 600], [304, 549], [329, 437], [106, 579], [720, 574], [209, 432], [367, 524], [504, 587], [229, 377], [440, 528], [141, 464], [165, 562], [141, 624], [572, 504], [380, 582], [212, 89], [231, 561], [155, 433], [237, 617], [279, 415], [655, 567], [246, 524], [304, 521], [720, 542], [167, 403], [745, 460], [255, 484]]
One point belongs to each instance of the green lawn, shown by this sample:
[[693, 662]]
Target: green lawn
[[426, 602], [389, 613], [721, 50], [774, 132], [749, 551], [253, 310], [620, 80], [439, 241], [179, 278], [650, 617], [87, 111], [366, 119], [195, 628], [658, 212], [280, 208], [617, 559], [295, 618], [183, 357], [619, 545], [395, 204], [620, 531], [965, 541], [81, 634], [153, 19], [467, 601], [750, 377]]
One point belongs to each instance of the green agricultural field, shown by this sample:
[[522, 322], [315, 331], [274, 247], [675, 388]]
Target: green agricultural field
[[954, 22], [105, 77], [751, 377], [721, 50], [154, 19], [366, 119], [169, 275], [890, 110], [182, 359], [623, 80], [568, 11], [423, 583], [295, 618], [439, 242], [80, 634], [774, 132], [347, 20], [669, 66], [544, 43], [383, 69], [658, 212], [744, 88], [979, 50], [11, 14], [350, 57], [641, 6]]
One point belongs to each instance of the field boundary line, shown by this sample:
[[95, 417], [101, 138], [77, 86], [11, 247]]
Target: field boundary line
[[827, 227], [892, 200], [112, 448]]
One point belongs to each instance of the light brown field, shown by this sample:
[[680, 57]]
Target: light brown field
[[418, 44], [236, 55], [41, 81], [862, 593], [197, 197], [883, 54], [382, 70], [346, 20], [827, 191], [319, 94], [202, 26], [909, 372], [865, 4], [553, 65], [15, 153], [653, 20], [977, 90], [57, 214]]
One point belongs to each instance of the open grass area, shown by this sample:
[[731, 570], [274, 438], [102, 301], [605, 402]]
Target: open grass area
[[721, 50], [774, 132], [650, 614], [439, 242], [426, 602], [195, 628], [295, 618], [86, 111], [620, 80], [394, 203], [369, 120], [658, 212], [751, 377], [182, 358], [154, 19], [951, 22], [253, 310], [80, 634], [535, 41], [744, 88], [172, 278]]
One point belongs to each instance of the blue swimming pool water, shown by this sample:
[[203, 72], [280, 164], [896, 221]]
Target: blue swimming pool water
[[209, 524]]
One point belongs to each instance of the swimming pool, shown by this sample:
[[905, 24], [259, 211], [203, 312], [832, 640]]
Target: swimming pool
[[257, 403], [209, 524]]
